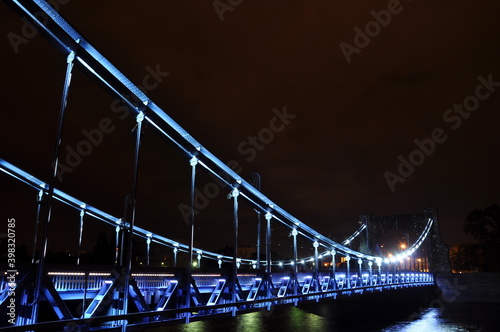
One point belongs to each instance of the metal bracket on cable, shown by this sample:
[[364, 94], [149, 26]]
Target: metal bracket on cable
[[71, 57], [234, 193], [139, 118]]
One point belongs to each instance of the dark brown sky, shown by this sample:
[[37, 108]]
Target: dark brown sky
[[326, 166]]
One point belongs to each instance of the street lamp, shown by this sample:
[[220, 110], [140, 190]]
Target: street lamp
[[404, 245], [407, 238]]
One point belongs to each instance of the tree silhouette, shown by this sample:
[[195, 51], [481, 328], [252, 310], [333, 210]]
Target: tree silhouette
[[466, 257], [484, 226]]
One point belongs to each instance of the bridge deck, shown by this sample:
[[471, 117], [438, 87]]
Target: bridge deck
[[90, 297]]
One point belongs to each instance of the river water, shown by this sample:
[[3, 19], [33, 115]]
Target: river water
[[454, 317]]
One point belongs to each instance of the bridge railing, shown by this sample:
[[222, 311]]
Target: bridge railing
[[93, 281], [158, 288]]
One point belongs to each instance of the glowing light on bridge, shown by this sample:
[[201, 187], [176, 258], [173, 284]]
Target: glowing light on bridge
[[61, 32]]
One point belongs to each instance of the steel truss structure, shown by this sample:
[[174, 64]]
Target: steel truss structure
[[127, 299]]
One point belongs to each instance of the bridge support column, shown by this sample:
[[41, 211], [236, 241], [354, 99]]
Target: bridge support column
[[234, 194], [119, 245], [80, 235], [148, 248], [360, 276], [55, 167], [392, 269], [439, 252], [370, 264], [198, 257], [348, 275], [379, 265], [268, 217], [333, 253], [259, 222], [39, 204], [295, 262], [133, 202], [316, 265], [175, 256], [192, 162], [268, 280]]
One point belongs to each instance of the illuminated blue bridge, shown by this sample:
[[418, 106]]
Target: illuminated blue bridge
[[127, 298]]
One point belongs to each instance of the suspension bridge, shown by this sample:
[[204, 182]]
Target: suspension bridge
[[126, 297]]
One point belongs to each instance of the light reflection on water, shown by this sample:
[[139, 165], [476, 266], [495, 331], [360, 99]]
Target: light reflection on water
[[199, 326], [290, 320], [430, 321], [250, 322], [296, 320]]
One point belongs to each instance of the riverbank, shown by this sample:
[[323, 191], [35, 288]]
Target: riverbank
[[481, 287]]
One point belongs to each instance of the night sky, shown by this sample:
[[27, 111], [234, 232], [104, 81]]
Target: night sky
[[350, 105]]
